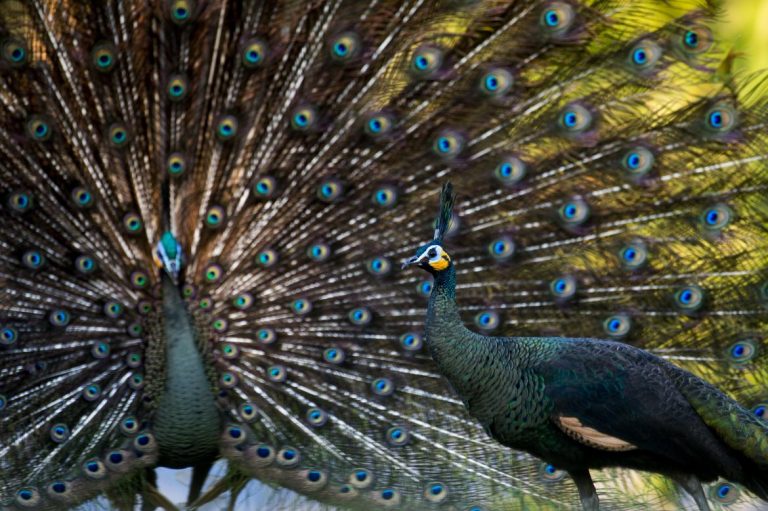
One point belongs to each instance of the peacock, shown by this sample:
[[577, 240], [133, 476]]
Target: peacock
[[585, 403], [204, 203]]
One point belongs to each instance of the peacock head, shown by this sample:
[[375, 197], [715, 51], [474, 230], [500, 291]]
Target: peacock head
[[168, 255], [432, 256]]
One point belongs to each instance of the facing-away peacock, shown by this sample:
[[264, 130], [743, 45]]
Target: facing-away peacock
[[204, 204]]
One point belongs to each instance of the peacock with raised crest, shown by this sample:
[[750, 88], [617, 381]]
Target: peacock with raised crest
[[203, 204]]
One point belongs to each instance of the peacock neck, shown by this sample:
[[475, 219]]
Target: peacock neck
[[444, 328], [187, 421]]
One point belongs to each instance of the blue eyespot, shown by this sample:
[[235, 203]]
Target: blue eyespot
[[617, 326], [20, 201], [557, 18], [345, 47], [759, 410], [411, 341], [448, 144], [317, 417], [226, 127], [510, 170], [574, 213], [334, 355], [59, 318], [288, 457], [263, 451], [301, 306], [303, 118], [717, 217], [383, 387], [550, 473], [721, 118], [243, 301], [436, 492], [725, 493], [267, 258], [330, 190], [360, 316], [424, 288], [743, 351], [266, 336], [637, 162], [33, 259], [563, 288], [385, 196], [319, 252], [14, 51], [8, 335], [92, 392], [502, 249], [265, 187], [426, 61], [181, 11], [696, 40], [575, 118], [254, 53], [689, 299], [177, 88], [38, 128], [248, 412], [397, 436], [360, 478], [496, 82], [59, 433], [487, 320]]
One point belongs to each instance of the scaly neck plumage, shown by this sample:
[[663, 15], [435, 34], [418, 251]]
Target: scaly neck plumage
[[444, 327]]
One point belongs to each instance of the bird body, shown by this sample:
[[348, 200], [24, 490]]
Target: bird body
[[582, 404], [201, 207]]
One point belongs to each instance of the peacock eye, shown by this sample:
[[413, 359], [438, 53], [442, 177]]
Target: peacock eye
[[178, 86]]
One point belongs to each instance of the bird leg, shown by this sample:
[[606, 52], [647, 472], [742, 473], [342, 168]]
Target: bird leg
[[199, 475], [691, 484], [587, 493]]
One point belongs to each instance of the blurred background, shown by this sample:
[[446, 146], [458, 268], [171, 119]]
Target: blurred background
[[742, 29]]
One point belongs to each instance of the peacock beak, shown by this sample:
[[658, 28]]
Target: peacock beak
[[408, 262]]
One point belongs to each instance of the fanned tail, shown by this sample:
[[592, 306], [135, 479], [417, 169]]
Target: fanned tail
[[611, 185]]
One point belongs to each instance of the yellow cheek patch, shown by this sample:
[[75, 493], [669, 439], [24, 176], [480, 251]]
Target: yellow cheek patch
[[441, 263]]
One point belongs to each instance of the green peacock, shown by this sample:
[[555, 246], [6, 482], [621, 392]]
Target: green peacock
[[203, 206]]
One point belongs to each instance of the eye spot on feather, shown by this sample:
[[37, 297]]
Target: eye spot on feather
[[267, 258], [178, 87], [315, 479], [720, 119], [502, 249], [59, 433], [695, 40], [334, 356], [360, 316], [426, 61], [255, 53], [59, 318], [383, 387], [379, 266], [378, 125], [19, 201], [288, 457], [117, 135], [266, 336], [100, 350], [3, 402], [129, 426], [14, 52], [316, 417], [633, 255], [510, 170], [220, 326], [181, 11], [136, 381], [301, 306], [617, 326], [303, 118], [82, 197], [33, 259], [637, 162], [226, 127], [243, 301], [319, 252], [139, 279], [743, 351], [265, 187], [448, 144], [188, 291], [575, 119], [94, 469], [113, 309], [725, 493], [689, 299], [550, 473], [85, 264], [556, 19], [385, 196], [344, 47], [28, 497], [563, 288], [644, 55], [573, 213], [92, 392], [230, 351], [411, 341], [103, 57], [436, 492], [132, 223], [424, 288], [249, 412], [8, 335], [496, 82], [330, 190], [397, 436], [716, 218], [176, 164], [360, 478], [213, 273], [133, 360], [38, 128], [487, 320], [760, 410], [227, 380]]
